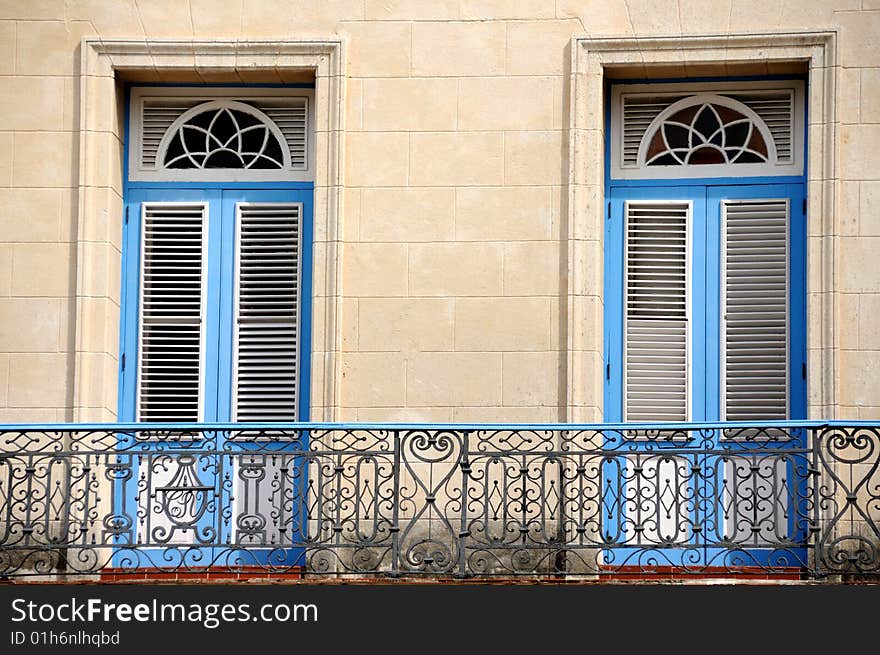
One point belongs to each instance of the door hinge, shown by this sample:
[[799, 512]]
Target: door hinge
[[609, 212], [608, 371], [805, 206], [127, 207], [804, 370], [123, 361]]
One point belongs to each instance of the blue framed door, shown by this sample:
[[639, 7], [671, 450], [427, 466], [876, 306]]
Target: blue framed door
[[793, 196], [218, 510], [653, 230], [220, 234], [272, 480], [759, 487], [693, 201], [702, 488]]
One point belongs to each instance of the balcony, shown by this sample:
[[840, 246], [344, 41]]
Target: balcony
[[796, 500]]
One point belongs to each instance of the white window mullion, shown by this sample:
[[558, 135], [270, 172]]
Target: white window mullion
[[172, 302]]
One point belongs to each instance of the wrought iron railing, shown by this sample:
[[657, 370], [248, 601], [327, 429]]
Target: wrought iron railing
[[798, 499]]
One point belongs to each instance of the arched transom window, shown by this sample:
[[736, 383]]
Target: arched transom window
[[211, 134], [705, 130], [725, 129], [223, 134]]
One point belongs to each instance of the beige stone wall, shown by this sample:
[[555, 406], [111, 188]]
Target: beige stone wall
[[455, 270]]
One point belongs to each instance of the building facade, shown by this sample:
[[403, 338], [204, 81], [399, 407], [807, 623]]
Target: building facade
[[467, 211], [467, 281]]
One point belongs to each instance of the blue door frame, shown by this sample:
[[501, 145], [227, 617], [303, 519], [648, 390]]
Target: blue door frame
[[221, 200], [705, 198]]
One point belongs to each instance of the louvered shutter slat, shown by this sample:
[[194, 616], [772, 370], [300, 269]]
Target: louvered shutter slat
[[157, 115], [638, 112], [172, 312], [655, 375], [291, 120], [755, 309], [777, 111], [267, 312]]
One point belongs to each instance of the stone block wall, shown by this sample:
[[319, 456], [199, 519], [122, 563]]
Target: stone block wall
[[453, 224]]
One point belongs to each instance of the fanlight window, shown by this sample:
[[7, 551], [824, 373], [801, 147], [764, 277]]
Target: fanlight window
[[223, 134], [220, 134], [707, 130], [672, 130], [706, 134]]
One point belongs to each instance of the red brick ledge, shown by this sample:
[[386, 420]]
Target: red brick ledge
[[244, 573], [677, 573]]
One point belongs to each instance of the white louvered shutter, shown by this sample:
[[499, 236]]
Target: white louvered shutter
[[267, 312], [172, 311], [755, 289], [656, 312]]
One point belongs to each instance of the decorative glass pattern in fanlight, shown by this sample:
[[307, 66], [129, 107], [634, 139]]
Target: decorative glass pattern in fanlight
[[706, 133], [233, 135]]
